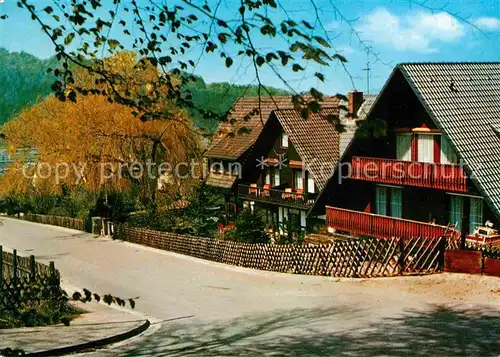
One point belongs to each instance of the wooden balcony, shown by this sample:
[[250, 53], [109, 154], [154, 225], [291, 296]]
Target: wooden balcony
[[409, 173], [286, 198], [374, 225]]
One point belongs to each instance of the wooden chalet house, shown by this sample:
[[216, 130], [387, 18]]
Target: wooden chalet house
[[437, 165], [231, 146], [292, 160]]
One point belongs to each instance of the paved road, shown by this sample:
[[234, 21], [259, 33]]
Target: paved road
[[234, 311]]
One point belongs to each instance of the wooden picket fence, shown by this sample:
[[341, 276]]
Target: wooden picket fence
[[366, 257], [67, 222], [23, 278]]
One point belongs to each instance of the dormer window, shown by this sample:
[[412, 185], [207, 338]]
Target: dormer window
[[284, 140]]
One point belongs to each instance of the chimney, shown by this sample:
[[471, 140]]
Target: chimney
[[354, 101]]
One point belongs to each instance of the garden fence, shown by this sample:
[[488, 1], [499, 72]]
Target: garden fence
[[67, 222], [367, 257], [24, 278]]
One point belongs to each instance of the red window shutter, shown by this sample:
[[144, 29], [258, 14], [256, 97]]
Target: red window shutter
[[437, 149], [414, 147]]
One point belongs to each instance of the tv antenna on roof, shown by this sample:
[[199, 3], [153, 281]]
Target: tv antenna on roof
[[368, 68]]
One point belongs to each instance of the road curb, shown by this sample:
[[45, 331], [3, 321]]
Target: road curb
[[91, 345]]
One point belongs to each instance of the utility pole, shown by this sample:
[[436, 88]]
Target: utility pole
[[368, 69]]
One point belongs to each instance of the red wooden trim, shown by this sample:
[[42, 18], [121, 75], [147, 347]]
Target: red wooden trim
[[380, 226], [426, 130], [295, 164], [402, 130], [409, 173], [437, 149], [414, 148]]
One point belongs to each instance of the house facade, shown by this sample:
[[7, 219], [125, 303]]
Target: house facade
[[431, 161], [230, 150], [292, 160]]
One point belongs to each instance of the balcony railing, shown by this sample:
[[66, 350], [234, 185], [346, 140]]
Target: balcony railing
[[410, 173], [294, 199], [361, 223]]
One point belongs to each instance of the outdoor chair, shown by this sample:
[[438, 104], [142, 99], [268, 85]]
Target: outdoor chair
[[287, 194], [299, 194], [253, 189]]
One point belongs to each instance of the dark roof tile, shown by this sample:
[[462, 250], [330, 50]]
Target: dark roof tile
[[464, 101], [315, 139], [229, 144]]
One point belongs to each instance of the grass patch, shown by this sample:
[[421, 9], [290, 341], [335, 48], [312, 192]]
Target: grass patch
[[41, 313]]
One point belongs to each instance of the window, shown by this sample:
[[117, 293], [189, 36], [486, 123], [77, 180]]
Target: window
[[276, 177], [476, 213], [448, 155], [403, 147], [284, 140], [396, 202], [299, 182], [381, 200], [310, 183], [425, 148], [267, 179], [457, 211], [389, 201]]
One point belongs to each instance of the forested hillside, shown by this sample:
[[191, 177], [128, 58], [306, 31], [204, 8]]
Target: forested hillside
[[24, 81], [219, 97]]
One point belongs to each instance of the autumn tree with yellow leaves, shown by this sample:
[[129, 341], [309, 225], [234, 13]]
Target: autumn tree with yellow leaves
[[99, 144]]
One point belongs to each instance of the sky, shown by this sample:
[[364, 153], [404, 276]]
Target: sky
[[383, 33]]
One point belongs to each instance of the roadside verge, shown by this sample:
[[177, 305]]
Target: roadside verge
[[98, 327]]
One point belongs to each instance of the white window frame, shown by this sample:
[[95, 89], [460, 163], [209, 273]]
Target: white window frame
[[310, 183], [284, 140], [299, 179], [425, 147], [448, 154], [267, 178], [403, 151], [276, 178]]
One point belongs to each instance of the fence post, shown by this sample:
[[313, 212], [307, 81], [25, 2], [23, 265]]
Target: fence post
[[14, 265], [14, 278], [401, 262], [32, 268], [54, 283], [442, 249]]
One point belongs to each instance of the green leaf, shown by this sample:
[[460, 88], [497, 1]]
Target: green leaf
[[69, 38], [48, 10], [229, 62], [113, 43], [340, 58], [307, 24], [297, 67], [260, 61], [322, 41], [4, 17], [320, 76]]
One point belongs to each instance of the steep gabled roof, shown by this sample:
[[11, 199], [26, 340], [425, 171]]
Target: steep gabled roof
[[228, 143], [315, 139], [463, 99]]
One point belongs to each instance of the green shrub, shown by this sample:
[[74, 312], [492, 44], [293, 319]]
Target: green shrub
[[250, 228]]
